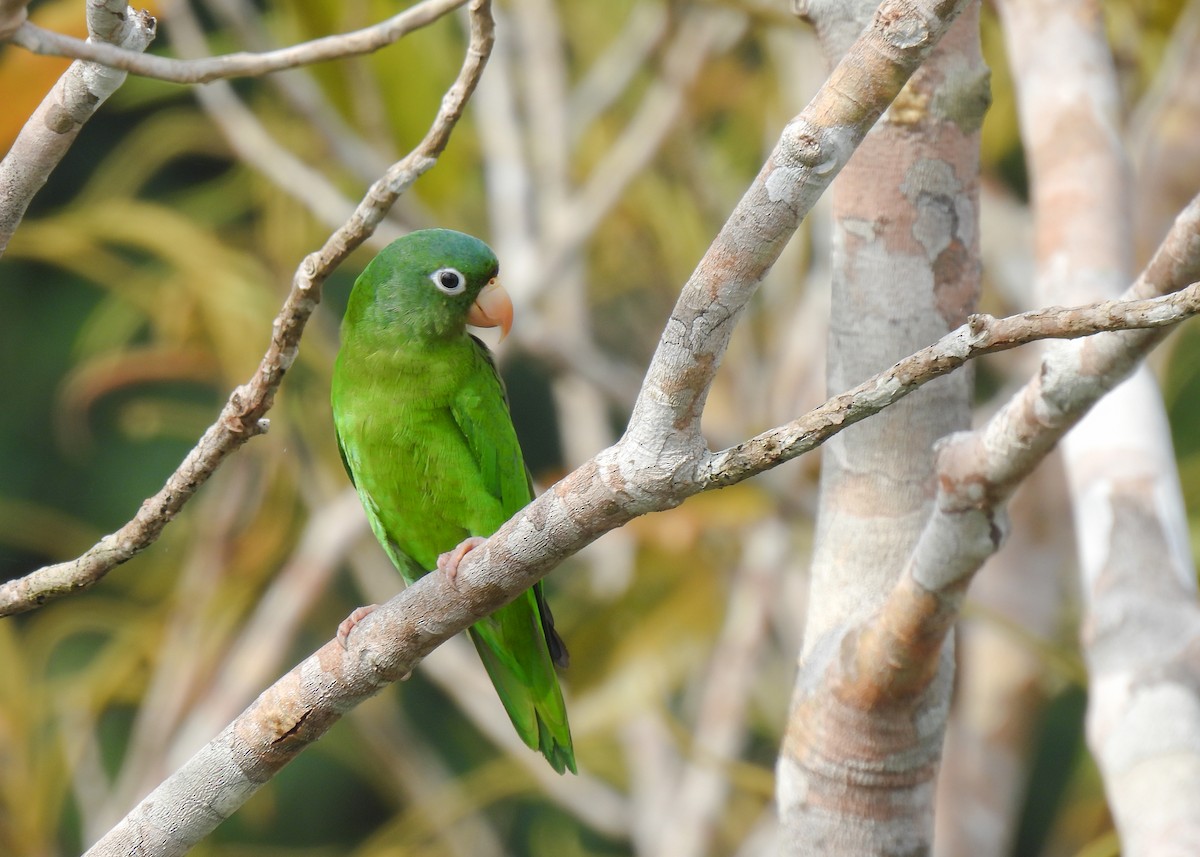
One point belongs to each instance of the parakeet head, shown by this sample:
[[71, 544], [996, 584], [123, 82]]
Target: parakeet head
[[430, 285]]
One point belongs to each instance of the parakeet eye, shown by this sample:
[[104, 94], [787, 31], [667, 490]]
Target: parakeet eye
[[449, 281]]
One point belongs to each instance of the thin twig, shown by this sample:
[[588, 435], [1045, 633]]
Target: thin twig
[[367, 40], [243, 416], [982, 334]]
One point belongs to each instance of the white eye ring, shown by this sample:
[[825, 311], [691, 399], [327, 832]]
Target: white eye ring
[[449, 281]]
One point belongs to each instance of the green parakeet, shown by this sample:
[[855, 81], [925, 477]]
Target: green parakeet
[[424, 430]]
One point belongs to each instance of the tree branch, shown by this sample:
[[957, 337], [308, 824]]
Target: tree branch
[[981, 335], [367, 40], [78, 94], [243, 416]]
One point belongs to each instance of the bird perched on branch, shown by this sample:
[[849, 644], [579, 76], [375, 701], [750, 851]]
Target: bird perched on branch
[[424, 430]]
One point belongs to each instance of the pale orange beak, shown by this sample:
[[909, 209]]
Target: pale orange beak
[[493, 308]]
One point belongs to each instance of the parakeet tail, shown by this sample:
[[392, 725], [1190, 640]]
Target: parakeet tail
[[531, 696]]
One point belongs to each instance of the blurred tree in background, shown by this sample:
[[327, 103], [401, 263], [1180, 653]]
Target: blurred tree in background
[[604, 148]]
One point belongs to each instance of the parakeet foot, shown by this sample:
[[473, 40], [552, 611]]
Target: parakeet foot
[[448, 562], [348, 624]]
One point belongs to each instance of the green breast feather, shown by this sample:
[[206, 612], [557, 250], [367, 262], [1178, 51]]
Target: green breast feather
[[424, 430]]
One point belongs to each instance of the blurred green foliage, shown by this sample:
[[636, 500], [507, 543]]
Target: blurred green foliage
[[140, 290]]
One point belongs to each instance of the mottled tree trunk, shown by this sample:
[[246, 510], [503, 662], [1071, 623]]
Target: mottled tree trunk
[[857, 773]]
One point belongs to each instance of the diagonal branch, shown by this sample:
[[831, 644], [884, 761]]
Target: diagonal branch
[[243, 416], [243, 64], [814, 147]]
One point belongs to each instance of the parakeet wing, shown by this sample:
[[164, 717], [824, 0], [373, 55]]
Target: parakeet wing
[[481, 412], [518, 643], [424, 431], [408, 567]]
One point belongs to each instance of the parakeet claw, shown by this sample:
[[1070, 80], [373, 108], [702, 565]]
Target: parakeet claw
[[348, 624], [448, 562]]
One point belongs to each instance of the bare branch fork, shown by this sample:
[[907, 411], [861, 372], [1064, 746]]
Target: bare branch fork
[[893, 654], [244, 64], [243, 416]]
